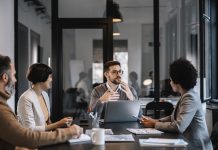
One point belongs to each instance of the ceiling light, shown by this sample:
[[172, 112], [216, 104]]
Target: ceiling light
[[116, 15], [115, 30]]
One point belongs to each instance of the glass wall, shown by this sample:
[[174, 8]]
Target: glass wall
[[82, 8], [34, 38], [179, 37], [207, 49], [82, 67], [134, 46]]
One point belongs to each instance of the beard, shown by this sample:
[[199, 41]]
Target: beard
[[116, 81], [10, 88]]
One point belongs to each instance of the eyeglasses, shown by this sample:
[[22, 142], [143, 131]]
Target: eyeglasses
[[117, 72]]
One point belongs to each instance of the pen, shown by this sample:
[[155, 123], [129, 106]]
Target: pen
[[91, 115]]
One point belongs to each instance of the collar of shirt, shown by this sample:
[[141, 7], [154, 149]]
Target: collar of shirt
[[109, 88]]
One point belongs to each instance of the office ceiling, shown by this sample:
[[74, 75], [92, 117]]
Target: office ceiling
[[133, 11], [140, 3]]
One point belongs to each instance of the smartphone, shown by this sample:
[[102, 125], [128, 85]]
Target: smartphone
[[137, 117]]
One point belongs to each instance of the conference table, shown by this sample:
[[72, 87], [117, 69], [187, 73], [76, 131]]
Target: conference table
[[118, 128]]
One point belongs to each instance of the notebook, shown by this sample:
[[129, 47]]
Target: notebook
[[82, 138], [107, 132], [144, 131], [162, 142], [121, 111], [119, 138]]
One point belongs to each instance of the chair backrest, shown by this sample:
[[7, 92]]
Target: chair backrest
[[70, 97], [73, 104], [214, 136], [158, 109]]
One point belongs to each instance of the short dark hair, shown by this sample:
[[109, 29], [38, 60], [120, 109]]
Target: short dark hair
[[110, 63], [5, 62], [38, 73], [184, 73]]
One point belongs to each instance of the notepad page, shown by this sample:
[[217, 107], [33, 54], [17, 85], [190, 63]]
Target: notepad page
[[160, 142], [82, 138], [107, 132], [144, 131], [119, 138]]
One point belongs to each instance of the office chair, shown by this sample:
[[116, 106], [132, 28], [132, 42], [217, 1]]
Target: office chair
[[71, 106], [214, 136], [158, 110]]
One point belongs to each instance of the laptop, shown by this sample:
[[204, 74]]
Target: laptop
[[121, 111]]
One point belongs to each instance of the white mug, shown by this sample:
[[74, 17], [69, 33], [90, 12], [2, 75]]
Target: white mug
[[98, 136]]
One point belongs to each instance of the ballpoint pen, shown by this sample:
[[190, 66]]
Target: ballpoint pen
[[91, 114]]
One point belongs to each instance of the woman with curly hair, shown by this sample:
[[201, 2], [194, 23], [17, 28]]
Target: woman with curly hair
[[188, 117]]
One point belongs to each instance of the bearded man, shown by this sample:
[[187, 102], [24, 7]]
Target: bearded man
[[113, 89], [12, 133]]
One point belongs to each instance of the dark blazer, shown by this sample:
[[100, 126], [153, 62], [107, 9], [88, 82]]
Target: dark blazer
[[188, 118]]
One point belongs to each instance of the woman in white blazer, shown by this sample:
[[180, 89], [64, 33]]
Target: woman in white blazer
[[33, 106], [188, 117]]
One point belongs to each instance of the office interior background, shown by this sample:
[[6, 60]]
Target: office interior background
[[76, 36]]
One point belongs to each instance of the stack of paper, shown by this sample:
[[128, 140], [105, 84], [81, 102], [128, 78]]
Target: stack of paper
[[82, 138], [119, 138], [160, 142], [144, 131], [107, 132]]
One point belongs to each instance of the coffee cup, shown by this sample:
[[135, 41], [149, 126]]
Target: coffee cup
[[98, 136]]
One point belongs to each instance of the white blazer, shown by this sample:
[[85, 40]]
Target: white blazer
[[29, 111]]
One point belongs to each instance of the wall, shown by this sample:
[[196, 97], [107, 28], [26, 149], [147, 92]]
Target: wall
[[68, 48], [84, 45], [132, 33], [28, 17], [73, 8], [7, 32]]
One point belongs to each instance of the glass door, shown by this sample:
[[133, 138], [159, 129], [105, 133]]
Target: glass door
[[82, 67]]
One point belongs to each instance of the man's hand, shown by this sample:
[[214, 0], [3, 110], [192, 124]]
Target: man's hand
[[109, 95], [76, 131], [126, 89]]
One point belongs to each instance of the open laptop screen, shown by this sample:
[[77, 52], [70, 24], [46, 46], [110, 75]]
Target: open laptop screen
[[121, 111]]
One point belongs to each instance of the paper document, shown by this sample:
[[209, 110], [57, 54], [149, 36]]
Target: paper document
[[144, 131], [113, 100], [82, 138], [119, 138], [161, 142], [107, 132]]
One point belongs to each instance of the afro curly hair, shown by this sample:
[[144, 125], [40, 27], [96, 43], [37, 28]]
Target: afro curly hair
[[184, 73]]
